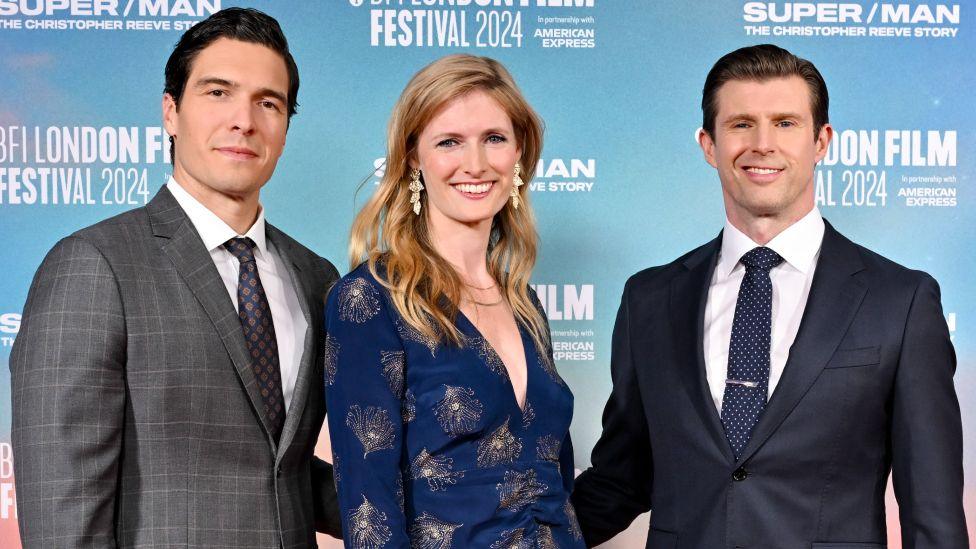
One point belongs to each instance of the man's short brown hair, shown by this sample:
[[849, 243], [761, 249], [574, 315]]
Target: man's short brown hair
[[760, 63]]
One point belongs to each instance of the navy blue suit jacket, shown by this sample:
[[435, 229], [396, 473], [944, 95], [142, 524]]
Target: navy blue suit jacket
[[867, 391]]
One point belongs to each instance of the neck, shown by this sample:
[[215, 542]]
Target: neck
[[465, 246], [239, 212], [761, 229]]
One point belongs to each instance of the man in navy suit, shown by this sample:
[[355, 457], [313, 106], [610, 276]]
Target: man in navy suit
[[767, 383]]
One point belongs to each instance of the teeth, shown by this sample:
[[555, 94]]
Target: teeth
[[473, 189], [762, 170]]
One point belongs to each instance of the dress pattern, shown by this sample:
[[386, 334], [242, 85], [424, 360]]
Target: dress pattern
[[432, 447]]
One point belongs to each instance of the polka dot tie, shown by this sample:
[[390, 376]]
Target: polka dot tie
[[748, 375], [259, 332]]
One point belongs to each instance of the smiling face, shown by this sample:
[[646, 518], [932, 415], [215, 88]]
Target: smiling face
[[467, 154], [231, 121], [765, 150]]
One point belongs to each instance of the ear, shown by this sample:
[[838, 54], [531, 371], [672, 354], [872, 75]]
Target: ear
[[171, 118], [707, 146], [823, 140]]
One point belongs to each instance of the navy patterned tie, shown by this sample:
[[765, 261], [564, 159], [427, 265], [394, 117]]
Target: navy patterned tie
[[748, 375], [259, 332]]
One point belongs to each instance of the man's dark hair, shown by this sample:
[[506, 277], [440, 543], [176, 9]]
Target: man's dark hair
[[760, 63], [244, 24]]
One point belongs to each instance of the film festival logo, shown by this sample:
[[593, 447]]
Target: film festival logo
[[876, 20], [872, 168], [80, 165], [102, 15], [565, 24]]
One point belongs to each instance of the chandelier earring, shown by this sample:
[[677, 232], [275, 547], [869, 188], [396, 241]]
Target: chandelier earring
[[516, 183], [415, 187]]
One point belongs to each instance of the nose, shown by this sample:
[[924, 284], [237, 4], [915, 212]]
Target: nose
[[242, 117], [764, 139], [475, 160]]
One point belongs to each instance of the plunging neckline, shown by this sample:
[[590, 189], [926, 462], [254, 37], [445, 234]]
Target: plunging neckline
[[508, 378]]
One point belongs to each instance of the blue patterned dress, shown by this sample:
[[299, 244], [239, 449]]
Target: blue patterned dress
[[431, 448]]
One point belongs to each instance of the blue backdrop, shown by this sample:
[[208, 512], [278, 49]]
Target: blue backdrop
[[622, 185]]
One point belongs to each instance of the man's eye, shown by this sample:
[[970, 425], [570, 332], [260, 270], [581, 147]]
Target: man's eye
[[786, 123], [218, 93], [270, 105]]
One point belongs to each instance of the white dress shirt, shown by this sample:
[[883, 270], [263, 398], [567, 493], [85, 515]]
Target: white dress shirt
[[799, 246], [289, 322]]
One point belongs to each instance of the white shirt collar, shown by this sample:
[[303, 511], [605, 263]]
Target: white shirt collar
[[798, 244], [213, 231]]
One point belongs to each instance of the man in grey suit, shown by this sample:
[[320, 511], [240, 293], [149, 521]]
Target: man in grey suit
[[167, 383], [767, 383]]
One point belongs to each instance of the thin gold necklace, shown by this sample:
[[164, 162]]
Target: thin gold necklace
[[483, 304]]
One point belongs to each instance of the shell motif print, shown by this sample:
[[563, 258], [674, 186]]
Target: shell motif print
[[458, 412], [410, 333], [372, 427], [429, 532], [501, 446], [436, 469], [519, 490], [544, 538], [548, 448], [367, 527], [393, 370], [528, 414], [358, 301], [487, 354], [330, 359], [513, 539], [574, 527]]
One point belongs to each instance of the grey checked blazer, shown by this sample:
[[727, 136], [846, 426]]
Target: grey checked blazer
[[136, 419]]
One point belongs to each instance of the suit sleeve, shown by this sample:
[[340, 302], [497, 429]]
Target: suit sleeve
[[364, 388], [68, 393], [926, 430], [611, 493]]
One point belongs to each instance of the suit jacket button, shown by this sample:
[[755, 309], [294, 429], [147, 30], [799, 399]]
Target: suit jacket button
[[739, 474]]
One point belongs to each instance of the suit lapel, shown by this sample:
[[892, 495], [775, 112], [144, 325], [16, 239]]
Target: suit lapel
[[835, 296], [689, 293], [303, 289], [192, 261]]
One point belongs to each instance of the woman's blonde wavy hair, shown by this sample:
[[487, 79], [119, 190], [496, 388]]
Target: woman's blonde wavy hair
[[386, 233]]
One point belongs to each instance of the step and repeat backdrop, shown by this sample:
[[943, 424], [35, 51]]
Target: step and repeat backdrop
[[622, 184]]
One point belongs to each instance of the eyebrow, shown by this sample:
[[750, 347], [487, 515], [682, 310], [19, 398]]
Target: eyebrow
[[751, 118], [263, 92], [488, 131]]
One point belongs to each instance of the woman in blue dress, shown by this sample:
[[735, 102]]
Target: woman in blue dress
[[449, 422]]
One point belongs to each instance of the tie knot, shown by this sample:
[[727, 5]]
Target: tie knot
[[760, 257], [241, 248]]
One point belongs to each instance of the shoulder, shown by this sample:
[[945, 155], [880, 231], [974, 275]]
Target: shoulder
[[116, 232], [357, 289], [110, 241], [884, 274], [659, 277]]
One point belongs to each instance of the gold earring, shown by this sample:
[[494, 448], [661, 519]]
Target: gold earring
[[516, 183], [415, 187]]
